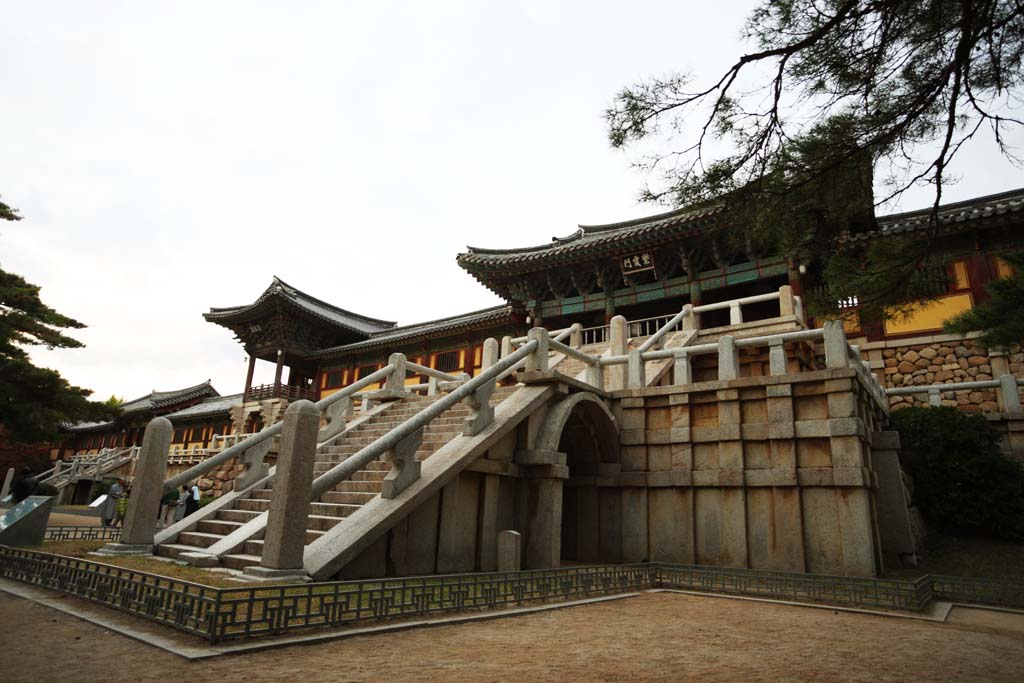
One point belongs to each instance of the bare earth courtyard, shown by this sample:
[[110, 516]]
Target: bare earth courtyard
[[652, 637]]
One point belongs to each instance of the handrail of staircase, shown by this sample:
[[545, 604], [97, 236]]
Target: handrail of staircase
[[556, 345], [655, 339], [357, 461], [556, 335], [418, 369], [269, 432]]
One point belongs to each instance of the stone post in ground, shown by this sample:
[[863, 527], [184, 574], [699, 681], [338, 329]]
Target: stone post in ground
[[510, 551], [147, 490], [728, 358], [285, 539], [7, 483], [837, 353], [489, 353], [618, 343]]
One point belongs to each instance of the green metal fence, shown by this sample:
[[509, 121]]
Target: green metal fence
[[218, 614]]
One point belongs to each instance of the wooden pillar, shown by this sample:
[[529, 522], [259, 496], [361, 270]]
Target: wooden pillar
[[609, 307], [277, 373], [248, 376]]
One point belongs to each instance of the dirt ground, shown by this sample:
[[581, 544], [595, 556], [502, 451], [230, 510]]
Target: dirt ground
[[653, 637]]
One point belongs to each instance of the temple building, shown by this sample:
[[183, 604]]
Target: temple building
[[644, 269]]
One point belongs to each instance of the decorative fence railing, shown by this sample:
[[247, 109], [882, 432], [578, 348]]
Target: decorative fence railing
[[89, 466], [1006, 387], [81, 533], [218, 614], [834, 590]]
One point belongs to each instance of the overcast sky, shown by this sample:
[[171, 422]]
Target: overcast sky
[[170, 157]]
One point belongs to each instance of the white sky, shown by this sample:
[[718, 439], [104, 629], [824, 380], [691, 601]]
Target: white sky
[[169, 157]]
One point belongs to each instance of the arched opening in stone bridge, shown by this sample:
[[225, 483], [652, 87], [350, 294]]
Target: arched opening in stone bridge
[[590, 529]]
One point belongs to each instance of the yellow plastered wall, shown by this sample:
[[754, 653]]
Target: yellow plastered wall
[[930, 316]]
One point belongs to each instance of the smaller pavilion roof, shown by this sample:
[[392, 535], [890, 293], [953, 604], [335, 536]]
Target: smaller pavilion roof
[[410, 334], [156, 400], [281, 293], [215, 405]]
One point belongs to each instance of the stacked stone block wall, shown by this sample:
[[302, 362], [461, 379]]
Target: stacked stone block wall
[[942, 359]]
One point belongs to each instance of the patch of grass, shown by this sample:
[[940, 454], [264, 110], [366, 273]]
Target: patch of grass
[[143, 563], [967, 557]]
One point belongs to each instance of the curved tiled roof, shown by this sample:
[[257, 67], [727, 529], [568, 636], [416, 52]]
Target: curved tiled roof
[[595, 240], [951, 216], [164, 399], [281, 291], [589, 239], [211, 406], [410, 334]]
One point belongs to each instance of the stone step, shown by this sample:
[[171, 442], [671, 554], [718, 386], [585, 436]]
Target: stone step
[[255, 547], [364, 486], [221, 527], [240, 561], [337, 510], [172, 550], [237, 515], [198, 539], [323, 522], [354, 498]]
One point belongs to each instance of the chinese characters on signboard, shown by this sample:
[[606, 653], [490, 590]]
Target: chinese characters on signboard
[[636, 263]]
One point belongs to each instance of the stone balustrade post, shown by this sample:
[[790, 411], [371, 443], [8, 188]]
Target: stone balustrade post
[[735, 313], [682, 369], [405, 468], [787, 306], [595, 375], [285, 538], [728, 358], [618, 345], [483, 412], [1008, 394], [538, 360], [635, 370], [489, 353], [432, 384], [934, 397], [147, 490], [837, 352], [334, 418], [777, 357], [689, 318], [576, 336], [506, 346], [395, 383]]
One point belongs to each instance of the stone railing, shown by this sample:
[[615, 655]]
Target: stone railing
[[301, 434], [689, 317], [89, 465], [1006, 387]]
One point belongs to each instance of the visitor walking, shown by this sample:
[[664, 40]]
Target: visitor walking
[[122, 506], [179, 507], [192, 503], [114, 493], [168, 507]]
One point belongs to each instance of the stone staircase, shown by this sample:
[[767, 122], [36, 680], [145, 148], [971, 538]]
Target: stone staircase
[[335, 505]]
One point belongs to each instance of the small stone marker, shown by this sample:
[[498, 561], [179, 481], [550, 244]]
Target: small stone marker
[[147, 489], [510, 551], [285, 539]]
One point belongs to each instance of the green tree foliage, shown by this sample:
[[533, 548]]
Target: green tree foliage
[[36, 402], [963, 484], [836, 90], [999, 318]]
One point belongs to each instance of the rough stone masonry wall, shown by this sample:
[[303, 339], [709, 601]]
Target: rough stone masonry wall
[[763, 472], [941, 360]]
